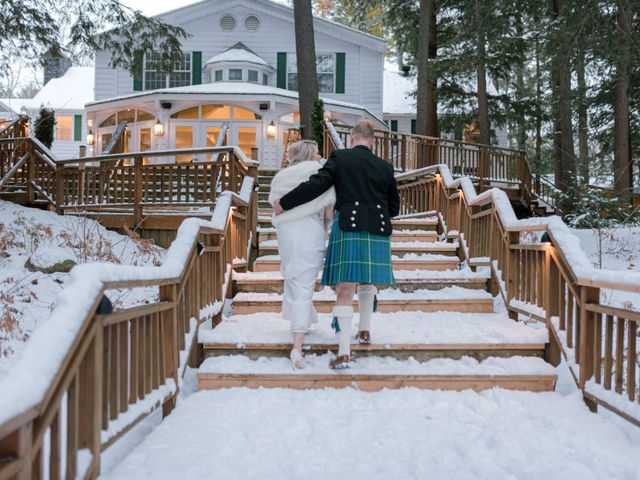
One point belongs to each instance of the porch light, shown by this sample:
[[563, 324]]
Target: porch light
[[272, 130], [158, 129], [90, 137], [327, 116]]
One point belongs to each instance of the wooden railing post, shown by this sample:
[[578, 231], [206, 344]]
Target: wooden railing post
[[513, 238], [137, 195], [31, 172], [587, 333], [59, 189], [481, 172]]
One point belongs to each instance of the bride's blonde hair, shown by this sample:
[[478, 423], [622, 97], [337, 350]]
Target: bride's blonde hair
[[301, 151]]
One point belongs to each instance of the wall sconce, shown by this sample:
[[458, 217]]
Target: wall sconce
[[272, 130], [327, 116], [90, 137], [158, 129]]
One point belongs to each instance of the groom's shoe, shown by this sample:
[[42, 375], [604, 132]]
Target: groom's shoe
[[364, 337], [339, 363]]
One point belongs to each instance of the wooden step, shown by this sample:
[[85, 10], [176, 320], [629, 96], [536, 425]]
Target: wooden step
[[269, 233], [419, 262], [272, 282], [270, 247], [374, 374], [427, 223], [465, 300]]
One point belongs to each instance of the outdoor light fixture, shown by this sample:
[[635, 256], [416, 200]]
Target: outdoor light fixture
[[90, 137], [272, 130], [158, 129], [327, 116]]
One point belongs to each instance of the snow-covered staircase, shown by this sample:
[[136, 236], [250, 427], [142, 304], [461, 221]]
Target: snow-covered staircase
[[438, 328]]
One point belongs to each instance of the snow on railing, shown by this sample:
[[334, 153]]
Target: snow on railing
[[549, 278], [102, 363]]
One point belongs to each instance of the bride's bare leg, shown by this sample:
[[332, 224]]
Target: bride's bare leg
[[298, 338]]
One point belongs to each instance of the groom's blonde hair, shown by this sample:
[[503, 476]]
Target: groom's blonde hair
[[301, 151], [364, 130]]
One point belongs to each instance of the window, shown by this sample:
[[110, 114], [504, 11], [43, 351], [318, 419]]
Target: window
[[216, 112], [244, 114], [212, 138], [326, 71], [187, 113], [64, 127], [154, 79], [265, 79], [253, 76], [184, 139], [235, 74], [218, 75], [109, 121], [247, 138]]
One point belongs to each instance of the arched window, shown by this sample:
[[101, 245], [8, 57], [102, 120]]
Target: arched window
[[187, 113], [244, 114], [109, 121], [216, 112]]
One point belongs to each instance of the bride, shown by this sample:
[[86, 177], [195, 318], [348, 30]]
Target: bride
[[302, 232]]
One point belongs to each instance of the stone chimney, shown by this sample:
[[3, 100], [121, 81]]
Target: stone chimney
[[55, 66]]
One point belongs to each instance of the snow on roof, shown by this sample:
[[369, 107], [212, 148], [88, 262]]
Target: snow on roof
[[10, 105], [70, 92], [238, 53], [398, 89]]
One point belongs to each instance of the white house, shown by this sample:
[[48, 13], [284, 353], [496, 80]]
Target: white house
[[238, 67], [66, 95]]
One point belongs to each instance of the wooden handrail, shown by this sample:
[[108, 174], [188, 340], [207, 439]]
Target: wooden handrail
[[101, 365], [553, 282]]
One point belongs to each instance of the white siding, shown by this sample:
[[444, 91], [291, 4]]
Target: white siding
[[363, 66]]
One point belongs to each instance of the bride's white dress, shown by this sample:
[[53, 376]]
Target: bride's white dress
[[301, 244]]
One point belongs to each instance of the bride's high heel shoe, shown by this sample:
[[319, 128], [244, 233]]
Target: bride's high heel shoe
[[297, 359]]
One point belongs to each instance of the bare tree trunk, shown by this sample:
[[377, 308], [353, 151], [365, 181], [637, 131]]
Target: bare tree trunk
[[481, 54], [563, 137], [427, 110], [538, 105], [623, 180], [306, 64], [521, 129], [583, 129]]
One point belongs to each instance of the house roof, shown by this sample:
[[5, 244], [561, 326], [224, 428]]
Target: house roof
[[10, 105], [397, 93], [337, 30], [238, 53], [69, 92], [231, 88]]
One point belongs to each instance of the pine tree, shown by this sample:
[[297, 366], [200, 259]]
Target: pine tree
[[80, 27]]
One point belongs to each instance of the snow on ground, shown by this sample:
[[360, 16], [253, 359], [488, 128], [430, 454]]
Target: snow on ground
[[26, 297], [614, 249], [392, 434]]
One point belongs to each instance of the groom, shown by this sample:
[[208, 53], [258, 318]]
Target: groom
[[359, 251]]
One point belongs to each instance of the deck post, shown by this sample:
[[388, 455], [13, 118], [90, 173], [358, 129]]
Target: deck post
[[59, 189], [587, 334], [31, 173], [137, 196]]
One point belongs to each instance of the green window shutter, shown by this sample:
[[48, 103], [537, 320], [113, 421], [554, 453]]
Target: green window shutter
[[282, 70], [138, 58], [394, 125], [196, 68], [340, 70], [77, 128], [413, 126]]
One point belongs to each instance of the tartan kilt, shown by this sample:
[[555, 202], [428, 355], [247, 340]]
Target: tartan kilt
[[358, 257]]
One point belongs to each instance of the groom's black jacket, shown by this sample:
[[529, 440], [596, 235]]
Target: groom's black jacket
[[366, 190]]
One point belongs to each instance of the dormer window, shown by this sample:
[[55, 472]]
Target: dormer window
[[238, 64]]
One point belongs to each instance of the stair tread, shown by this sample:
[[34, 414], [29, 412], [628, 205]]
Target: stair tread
[[401, 276], [412, 257], [417, 245], [392, 330], [448, 294], [317, 366]]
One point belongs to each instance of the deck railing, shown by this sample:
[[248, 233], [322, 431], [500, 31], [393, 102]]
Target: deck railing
[[88, 376], [541, 272]]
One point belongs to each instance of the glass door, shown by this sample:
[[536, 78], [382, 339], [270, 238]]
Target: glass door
[[246, 137]]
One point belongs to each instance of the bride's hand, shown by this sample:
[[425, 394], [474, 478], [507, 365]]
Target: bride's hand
[[277, 209]]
